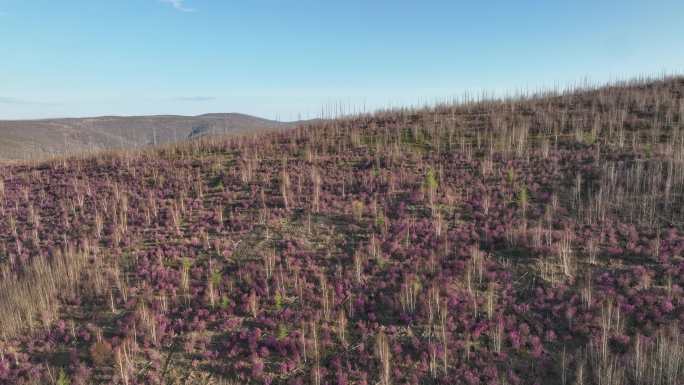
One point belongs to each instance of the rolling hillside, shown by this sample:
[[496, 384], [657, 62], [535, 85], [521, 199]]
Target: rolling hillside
[[35, 139], [527, 241]]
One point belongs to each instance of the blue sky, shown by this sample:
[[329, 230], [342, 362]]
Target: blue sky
[[288, 58]]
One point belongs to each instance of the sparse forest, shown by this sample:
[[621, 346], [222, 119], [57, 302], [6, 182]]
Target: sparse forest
[[528, 240]]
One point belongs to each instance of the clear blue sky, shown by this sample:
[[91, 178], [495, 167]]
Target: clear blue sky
[[287, 58]]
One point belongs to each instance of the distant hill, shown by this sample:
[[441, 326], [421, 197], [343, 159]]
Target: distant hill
[[30, 139]]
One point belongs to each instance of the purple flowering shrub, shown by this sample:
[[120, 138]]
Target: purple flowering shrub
[[395, 248]]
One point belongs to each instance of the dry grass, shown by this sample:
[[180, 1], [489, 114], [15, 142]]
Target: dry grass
[[31, 297]]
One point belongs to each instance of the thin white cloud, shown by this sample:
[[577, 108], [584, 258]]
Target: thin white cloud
[[194, 98], [178, 4], [10, 100]]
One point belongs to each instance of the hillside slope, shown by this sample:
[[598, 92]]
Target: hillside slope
[[34, 139], [524, 241]]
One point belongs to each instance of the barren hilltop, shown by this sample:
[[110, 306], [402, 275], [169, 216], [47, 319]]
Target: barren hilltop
[[35, 139]]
